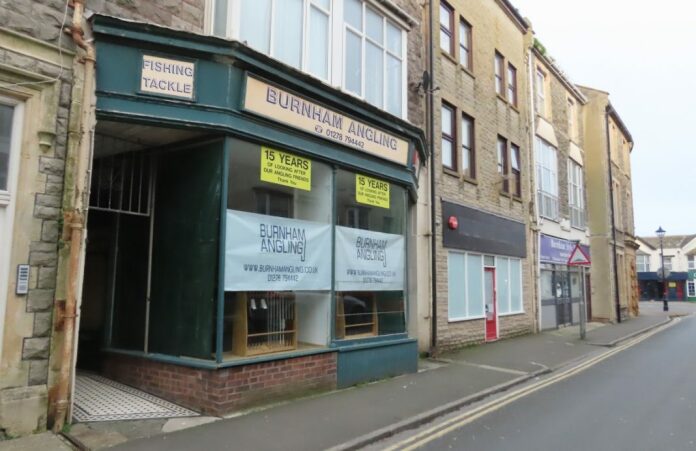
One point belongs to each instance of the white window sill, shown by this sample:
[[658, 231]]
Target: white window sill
[[462, 320], [511, 314], [4, 198]]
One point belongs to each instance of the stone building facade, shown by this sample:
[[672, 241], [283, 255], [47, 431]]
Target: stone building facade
[[474, 42], [31, 360], [608, 145], [560, 190], [36, 84]]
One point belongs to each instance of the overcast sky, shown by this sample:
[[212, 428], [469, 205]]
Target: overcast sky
[[641, 53]]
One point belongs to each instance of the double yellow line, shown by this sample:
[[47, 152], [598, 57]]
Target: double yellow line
[[433, 433]]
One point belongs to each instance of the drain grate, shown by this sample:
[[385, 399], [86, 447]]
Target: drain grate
[[100, 399]]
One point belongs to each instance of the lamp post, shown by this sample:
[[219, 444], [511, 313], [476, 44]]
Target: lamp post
[[661, 234]]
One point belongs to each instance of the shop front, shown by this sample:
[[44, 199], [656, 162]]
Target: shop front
[[561, 287], [248, 226], [486, 262]]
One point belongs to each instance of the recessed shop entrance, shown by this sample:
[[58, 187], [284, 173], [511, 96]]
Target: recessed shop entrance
[[148, 247]]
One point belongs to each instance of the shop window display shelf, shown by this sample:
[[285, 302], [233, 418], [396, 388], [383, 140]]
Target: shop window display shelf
[[264, 323], [356, 315]]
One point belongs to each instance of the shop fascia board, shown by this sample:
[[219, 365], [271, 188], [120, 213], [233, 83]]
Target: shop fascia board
[[191, 44], [176, 114]]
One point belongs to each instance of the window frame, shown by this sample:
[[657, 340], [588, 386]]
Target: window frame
[[511, 90], [464, 24], [642, 261], [576, 190], [540, 78], [668, 262], [543, 194], [335, 47], [516, 173], [451, 138], [499, 74], [691, 262], [16, 132], [690, 288], [503, 162], [449, 32], [465, 277], [471, 149]]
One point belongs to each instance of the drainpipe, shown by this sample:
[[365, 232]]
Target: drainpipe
[[617, 303], [75, 217], [433, 197], [535, 229]]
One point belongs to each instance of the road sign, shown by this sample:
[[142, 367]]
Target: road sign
[[666, 272], [578, 257]]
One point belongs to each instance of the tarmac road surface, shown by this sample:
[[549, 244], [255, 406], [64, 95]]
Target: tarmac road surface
[[643, 398]]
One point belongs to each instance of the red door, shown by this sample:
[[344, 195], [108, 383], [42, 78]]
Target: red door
[[680, 291], [491, 304]]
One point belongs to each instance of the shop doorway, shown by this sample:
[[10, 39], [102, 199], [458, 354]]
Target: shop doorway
[[491, 305], [145, 193]]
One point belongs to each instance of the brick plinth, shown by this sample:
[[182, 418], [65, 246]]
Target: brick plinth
[[222, 391]]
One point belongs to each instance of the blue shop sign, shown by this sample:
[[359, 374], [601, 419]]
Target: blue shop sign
[[557, 250]]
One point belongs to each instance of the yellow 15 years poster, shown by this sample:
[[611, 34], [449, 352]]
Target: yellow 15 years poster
[[371, 191], [286, 169]]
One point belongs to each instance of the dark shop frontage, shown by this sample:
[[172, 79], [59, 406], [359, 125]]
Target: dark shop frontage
[[248, 230]]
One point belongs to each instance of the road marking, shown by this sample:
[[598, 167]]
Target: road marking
[[439, 430], [493, 368]]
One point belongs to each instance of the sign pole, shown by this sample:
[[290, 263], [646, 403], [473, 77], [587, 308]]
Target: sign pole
[[583, 306], [581, 258]]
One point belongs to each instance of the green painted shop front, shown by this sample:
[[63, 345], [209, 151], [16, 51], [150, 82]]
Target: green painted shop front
[[248, 226]]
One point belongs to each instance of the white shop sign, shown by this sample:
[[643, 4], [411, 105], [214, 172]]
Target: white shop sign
[[369, 261], [167, 77], [270, 253]]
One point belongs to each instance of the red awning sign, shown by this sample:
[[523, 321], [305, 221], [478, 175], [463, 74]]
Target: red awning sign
[[578, 257]]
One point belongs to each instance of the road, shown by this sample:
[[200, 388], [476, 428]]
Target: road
[[643, 398]]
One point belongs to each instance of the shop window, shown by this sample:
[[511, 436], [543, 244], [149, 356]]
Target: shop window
[[508, 285], [547, 179], [299, 33], [465, 285], [370, 256], [277, 270], [691, 289]]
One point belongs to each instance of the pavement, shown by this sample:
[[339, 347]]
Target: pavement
[[355, 417]]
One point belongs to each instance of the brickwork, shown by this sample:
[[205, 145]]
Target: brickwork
[[473, 92], [222, 391]]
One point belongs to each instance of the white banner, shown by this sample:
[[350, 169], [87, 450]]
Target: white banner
[[369, 261], [271, 253]]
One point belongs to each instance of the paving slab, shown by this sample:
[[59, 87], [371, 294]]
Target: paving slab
[[44, 442], [610, 335]]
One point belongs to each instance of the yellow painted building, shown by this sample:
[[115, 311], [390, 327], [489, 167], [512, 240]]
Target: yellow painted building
[[608, 145]]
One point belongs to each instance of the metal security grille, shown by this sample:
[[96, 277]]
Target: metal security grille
[[122, 184]]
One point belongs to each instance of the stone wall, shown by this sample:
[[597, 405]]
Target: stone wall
[[40, 75]]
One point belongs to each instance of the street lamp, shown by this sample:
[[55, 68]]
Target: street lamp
[[661, 234]]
